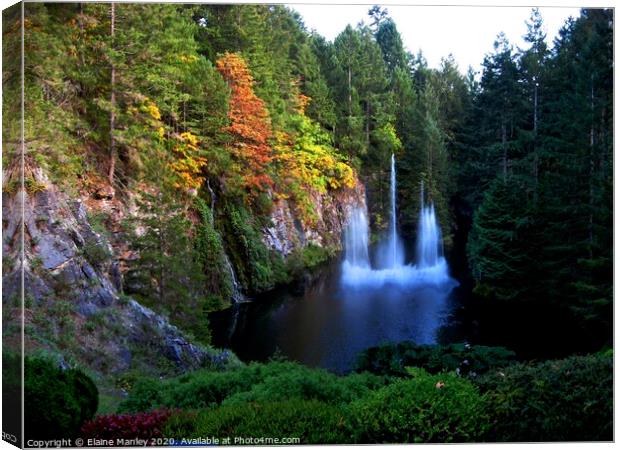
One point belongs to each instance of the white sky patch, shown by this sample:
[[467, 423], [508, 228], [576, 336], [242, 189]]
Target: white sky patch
[[466, 32]]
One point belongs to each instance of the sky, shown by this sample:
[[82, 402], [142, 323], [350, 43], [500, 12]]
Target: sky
[[466, 32]]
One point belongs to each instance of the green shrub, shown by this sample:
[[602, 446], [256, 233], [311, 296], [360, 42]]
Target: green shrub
[[392, 359], [11, 388], [57, 402], [309, 257], [199, 389], [311, 421], [272, 381], [426, 408], [96, 253], [309, 384], [565, 400]]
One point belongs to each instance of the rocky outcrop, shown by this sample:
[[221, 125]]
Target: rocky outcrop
[[289, 232], [72, 287]]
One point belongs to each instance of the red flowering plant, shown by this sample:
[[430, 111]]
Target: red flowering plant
[[145, 425]]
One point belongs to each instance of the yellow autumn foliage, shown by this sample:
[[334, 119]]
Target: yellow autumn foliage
[[189, 163], [308, 162]]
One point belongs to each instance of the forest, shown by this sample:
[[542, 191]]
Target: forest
[[191, 135]]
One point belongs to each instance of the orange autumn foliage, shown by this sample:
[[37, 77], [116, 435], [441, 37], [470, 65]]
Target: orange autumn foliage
[[250, 125]]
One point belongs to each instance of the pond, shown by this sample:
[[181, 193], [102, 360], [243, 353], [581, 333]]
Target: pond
[[326, 323]]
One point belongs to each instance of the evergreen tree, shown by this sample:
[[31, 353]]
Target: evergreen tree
[[499, 250], [167, 274], [560, 224]]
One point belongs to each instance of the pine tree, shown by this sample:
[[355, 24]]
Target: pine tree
[[167, 274]]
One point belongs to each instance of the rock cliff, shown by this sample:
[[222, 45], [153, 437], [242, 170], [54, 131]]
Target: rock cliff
[[288, 232], [73, 269], [72, 284]]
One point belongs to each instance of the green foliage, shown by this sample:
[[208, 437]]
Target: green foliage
[[565, 400], [57, 401], [211, 255], [308, 163], [168, 275], [467, 360], [307, 384], [258, 268], [96, 252], [307, 258], [11, 381], [255, 382], [533, 164], [426, 408], [502, 220], [97, 221], [521, 402], [311, 421]]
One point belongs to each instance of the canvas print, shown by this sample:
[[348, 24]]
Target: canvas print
[[235, 224]]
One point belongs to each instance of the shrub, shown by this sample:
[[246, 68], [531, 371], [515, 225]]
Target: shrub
[[199, 389], [272, 381], [392, 359], [308, 384], [127, 426], [96, 253], [426, 408], [57, 402], [311, 421], [309, 257], [11, 387], [565, 400]]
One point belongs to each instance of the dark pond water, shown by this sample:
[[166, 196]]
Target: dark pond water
[[325, 324]]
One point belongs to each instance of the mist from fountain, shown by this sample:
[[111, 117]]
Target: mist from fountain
[[430, 267]]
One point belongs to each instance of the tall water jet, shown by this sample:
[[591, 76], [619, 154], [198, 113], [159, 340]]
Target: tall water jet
[[356, 239], [392, 254], [393, 205], [391, 270], [429, 247]]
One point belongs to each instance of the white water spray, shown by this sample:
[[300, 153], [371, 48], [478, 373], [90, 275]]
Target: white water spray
[[430, 268], [430, 244], [392, 253], [356, 239]]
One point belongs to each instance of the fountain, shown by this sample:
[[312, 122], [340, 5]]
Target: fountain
[[391, 253], [429, 250], [430, 268], [356, 239]]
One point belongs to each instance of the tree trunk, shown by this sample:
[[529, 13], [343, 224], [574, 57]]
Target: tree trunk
[[113, 151], [535, 108], [504, 153], [430, 170], [350, 95], [535, 140], [162, 255], [368, 123], [591, 174]]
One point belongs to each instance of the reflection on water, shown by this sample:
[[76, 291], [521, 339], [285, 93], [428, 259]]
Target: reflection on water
[[329, 324]]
